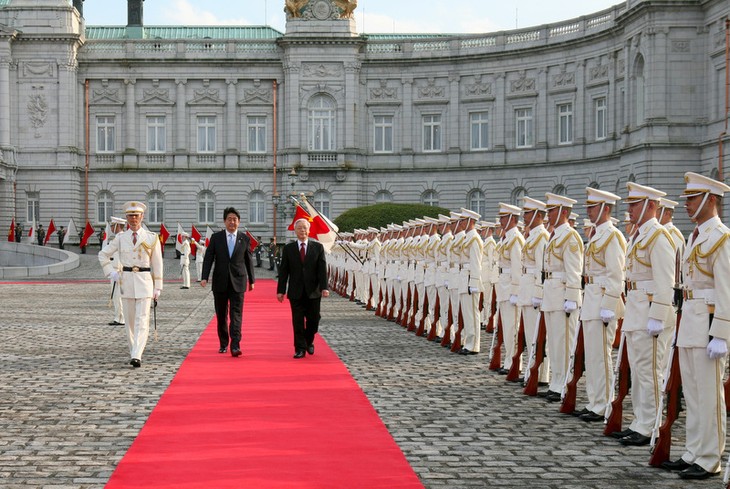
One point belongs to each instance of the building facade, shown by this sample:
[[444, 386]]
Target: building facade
[[194, 119]]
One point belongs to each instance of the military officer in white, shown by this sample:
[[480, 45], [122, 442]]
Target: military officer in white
[[561, 290], [199, 257], [530, 296], [490, 271], [140, 278], [470, 285], [117, 226], [705, 329], [602, 305], [650, 265], [508, 286], [185, 260]]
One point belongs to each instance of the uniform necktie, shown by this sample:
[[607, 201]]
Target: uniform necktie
[[230, 245], [302, 252], [134, 238], [695, 233]]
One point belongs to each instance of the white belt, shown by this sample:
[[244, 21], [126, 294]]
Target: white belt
[[640, 284], [557, 275], [699, 294], [504, 270], [530, 270]]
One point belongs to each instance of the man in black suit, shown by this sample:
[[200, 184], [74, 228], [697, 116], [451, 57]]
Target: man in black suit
[[304, 267], [230, 251]]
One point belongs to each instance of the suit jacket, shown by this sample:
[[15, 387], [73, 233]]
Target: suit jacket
[[238, 268], [304, 279]]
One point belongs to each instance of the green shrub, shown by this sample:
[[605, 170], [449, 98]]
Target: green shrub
[[380, 215]]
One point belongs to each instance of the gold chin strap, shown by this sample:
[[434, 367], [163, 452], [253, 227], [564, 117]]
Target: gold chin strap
[[702, 205]]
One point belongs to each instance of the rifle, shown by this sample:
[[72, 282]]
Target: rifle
[[538, 354], [405, 306], [436, 315], [570, 389], [447, 331], [412, 322], [671, 390], [424, 313], [369, 300], [614, 412], [493, 310], [495, 354], [514, 372], [617, 335], [390, 306], [154, 312], [456, 346]]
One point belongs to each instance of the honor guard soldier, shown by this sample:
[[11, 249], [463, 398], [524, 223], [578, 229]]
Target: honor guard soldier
[[529, 298], [117, 226], [442, 276], [417, 253], [141, 276], [650, 266], [470, 285], [457, 227], [373, 267], [490, 271], [561, 290], [429, 276], [199, 257], [705, 330], [602, 305], [185, 260], [508, 287], [666, 214]]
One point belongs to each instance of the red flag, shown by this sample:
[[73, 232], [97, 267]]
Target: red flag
[[299, 213], [323, 230], [88, 232], [208, 234], [164, 233], [51, 229], [316, 225], [11, 233], [196, 236], [254, 241]]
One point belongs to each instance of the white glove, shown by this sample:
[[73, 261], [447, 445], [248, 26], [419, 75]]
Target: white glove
[[607, 315], [114, 276], [716, 348], [570, 306], [398, 278], [156, 294], [513, 299], [446, 284], [536, 302], [654, 326], [473, 290]]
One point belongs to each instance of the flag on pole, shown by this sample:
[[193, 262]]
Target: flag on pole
[[164, 234], [326, 230], [88, 232], [253, 241], [208, 234], [70, 231], [11, 233], [195, 234], [178, 240], [51, 229], [31, 233]]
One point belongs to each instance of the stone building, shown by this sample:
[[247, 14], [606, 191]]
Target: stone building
[[193, 119]]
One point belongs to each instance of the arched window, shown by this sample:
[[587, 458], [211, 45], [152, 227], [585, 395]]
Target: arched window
[[639, 90], [321, 201], [322, 123], [155, 207], [104, 206], [477, 202], [256, 208], [594, 184], [559, 189], [516, 197], [383, 196], [206, 207], [430, 197]]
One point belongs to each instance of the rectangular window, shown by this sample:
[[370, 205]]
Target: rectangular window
[[206, 134], [601, 111], [432, 132], [256, 134], [156, 134], [523, 118], [565, 123], [105, 134], [257, 212], [479, 130], [383, 133], [33, 208]]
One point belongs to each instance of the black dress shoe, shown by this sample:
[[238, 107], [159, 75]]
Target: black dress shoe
[[235, 352], [184, 287], [135, 363], [222, 349], [437, 339], [591, 417], [466, 351], [622, 434], [116, 323], [679, 464], [554, 397], [503, 371], [310, 349], [299, 354], [543, 384], [581, 412], [696, 472], [635, 440]]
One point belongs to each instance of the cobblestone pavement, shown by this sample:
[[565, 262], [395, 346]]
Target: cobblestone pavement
[[71, 406]]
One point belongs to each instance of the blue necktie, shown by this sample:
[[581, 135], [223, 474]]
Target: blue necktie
[[231, 244]]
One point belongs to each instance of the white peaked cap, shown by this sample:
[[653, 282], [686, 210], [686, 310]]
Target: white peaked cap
[[573, 216], [530, 204], [555, 200], [668, 204], [699, 184], [642, 192], [470, 214], [508, 209], [595, 197], [118, 220], [133, 207]]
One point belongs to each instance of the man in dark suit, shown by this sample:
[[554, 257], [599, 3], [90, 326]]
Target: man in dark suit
[[230, 251], [304, 267]]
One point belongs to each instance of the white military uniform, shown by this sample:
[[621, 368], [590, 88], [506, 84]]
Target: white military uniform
[[490, 274], [470, 286], [442, 277], [185, 262], [650, 265], [116, 292], [510, 270], [199, 257], [562, 285], [141, 275], [605, 257], [705, 315]]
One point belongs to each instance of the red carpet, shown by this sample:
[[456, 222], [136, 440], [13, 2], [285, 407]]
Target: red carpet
[[264, 420]]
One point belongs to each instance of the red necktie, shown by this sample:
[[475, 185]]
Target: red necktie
[[302, 252], [134, 238], [695, 233]]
